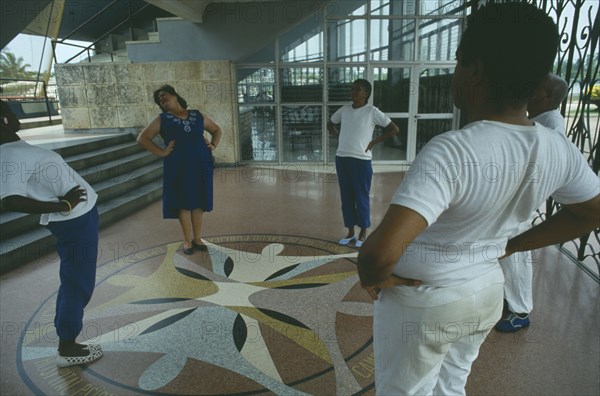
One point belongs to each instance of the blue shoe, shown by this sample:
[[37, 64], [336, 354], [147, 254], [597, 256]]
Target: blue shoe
[[512, 323]]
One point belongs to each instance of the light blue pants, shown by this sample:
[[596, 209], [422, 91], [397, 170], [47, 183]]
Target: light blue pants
[[77, 246], [354, 177]]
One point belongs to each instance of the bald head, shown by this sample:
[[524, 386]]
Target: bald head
[[548, 95]]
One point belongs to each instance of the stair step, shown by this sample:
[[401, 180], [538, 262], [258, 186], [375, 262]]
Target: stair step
[[39, 242], [81, 148], [126, 178], [15, 223], [100, 156], [118, 170]]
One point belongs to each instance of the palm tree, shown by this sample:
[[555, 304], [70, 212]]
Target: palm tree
[[13, 67]]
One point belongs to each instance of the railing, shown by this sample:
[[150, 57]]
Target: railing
[[92, 46], [577, 63], [28, 93]]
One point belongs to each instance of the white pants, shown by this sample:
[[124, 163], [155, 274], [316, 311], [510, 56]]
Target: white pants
[[425, 351], [518, 278]]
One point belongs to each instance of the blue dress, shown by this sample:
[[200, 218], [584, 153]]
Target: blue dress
[[188, 170]]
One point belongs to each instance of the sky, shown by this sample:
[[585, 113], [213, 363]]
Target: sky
[[30, 49]]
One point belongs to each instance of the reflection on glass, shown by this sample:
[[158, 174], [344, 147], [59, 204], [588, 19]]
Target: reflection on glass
[[332, 141], [256, 85], [347, 40], [340, 79], [394, 148], [428, 129], [392, 89], [392, 39], [441, 7], [435, 94], [302, 133], [393, 7], [342, 8], [301, 84], [303, 43], [438, 39], [258, 137]]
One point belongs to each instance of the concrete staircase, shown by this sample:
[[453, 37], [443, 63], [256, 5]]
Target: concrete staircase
[[125, 176]]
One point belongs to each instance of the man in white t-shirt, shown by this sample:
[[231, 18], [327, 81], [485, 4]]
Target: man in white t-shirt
[[353, 157], [543, 104], [518, 271], [432, 263], [36, 180]]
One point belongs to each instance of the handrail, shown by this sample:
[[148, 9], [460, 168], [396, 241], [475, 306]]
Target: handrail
[[88, 21], [44, 90], [109, 32]]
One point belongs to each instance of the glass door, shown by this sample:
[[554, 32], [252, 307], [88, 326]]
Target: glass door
[[433, 109], [418, 99]]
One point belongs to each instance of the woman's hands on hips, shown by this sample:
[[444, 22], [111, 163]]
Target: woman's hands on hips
[[209, 144], [75, 196], [169, 149]]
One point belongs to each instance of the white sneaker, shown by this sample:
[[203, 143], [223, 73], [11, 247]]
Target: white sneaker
[[358, 243], [346, 241], [66, 361]]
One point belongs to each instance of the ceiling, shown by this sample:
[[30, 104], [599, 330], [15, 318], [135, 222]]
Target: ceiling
[[88, 20]]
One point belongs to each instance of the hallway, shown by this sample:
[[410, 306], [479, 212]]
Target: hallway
[[273, 307]]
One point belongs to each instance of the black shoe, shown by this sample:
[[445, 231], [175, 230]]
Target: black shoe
[[188, 251], [199, 247]]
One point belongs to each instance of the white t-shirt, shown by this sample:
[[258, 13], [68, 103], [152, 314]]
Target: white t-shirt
[[476, 187], [357, 129], [43, 175], [553, 120]]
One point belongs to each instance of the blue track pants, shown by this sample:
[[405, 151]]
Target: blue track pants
[[354, 177], [77, 246]]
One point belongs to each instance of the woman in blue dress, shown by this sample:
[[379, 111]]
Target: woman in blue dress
[[187, 162]]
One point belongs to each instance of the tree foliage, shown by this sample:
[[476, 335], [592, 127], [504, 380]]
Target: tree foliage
[[13, 67]]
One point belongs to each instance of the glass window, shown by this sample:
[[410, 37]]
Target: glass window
[[343, 8], [301, 84], [393, 7], [392, 89], [303, 43], [428, 129], [441, 7], [332, 141], [435, 86], [347, 40], [258, 137], [392, 39], [394, 148], [438, 39], [339, 81], [256, 85], [302, 133]]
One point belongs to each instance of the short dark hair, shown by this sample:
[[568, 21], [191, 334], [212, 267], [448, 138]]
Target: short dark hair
[[9, 123], [516, 43], [171, 91], [366, 85]]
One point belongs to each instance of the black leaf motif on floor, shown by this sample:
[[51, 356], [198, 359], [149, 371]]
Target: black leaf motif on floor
[[160, 300], [167, 322], [302, 286], [191, 274], [282, 272], [228, 266], [240, 332], [283, 318]]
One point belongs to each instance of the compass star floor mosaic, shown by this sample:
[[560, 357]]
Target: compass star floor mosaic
[[273, 307]]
